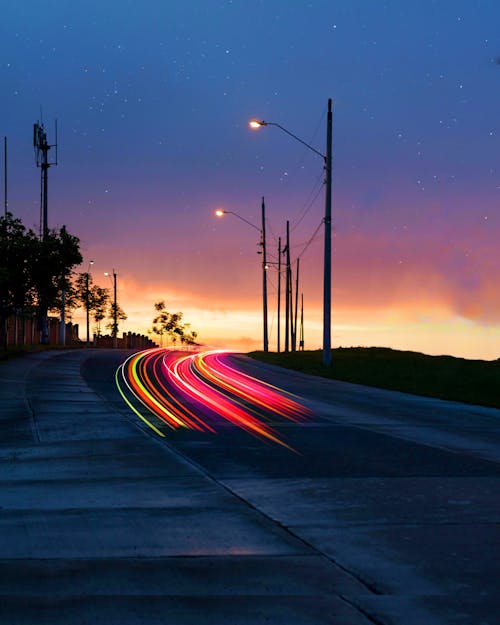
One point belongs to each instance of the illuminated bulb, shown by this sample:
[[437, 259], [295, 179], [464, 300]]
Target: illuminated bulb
[[219, 212], [255, 123]]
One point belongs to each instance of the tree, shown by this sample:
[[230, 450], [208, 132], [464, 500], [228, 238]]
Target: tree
[[53, 260], [71, 301], [120, 316], [171, 325], [33, 272], [100, 298], [16, 259], [92, 298]]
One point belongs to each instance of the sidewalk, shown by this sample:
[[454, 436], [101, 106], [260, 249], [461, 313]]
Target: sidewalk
[[101, 523]]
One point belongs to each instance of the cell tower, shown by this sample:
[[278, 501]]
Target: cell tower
[[42, 148]]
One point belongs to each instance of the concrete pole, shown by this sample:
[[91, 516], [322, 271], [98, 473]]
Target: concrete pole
[[63, 318], [264, 276], [294, 346], [327, 284], [115, 314], [279, 293], [5, 175], [87, 303], [301, 339], [287, 292]]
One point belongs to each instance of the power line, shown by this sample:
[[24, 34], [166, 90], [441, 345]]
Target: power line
[[307, 208], [310, 240]]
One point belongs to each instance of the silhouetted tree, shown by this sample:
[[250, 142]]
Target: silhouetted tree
[[33, 272], [91, 297], [100, 299], [54, 259], [16, 279], [171, 324], [120, 316]]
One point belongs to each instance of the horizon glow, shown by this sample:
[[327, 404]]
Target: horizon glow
[[153, 107]]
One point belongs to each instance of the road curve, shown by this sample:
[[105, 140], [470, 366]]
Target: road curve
[[201, 391]]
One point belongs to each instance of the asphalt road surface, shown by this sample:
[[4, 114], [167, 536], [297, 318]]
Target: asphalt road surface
[[400, 491], [368, 507]]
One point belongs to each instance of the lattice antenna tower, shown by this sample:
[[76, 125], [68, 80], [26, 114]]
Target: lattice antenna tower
[[42, 147]]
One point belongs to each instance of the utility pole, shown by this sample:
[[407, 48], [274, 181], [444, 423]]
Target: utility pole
[[115, 313], [87, 304], [301, 339], [63, 318], [87, 299], [264, 276], [327, 284], [279, 291], [294, 346], [287, 296], [327, 272], [5, 175]]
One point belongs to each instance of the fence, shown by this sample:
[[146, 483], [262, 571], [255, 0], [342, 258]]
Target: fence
[[21, 331], [129, 340]]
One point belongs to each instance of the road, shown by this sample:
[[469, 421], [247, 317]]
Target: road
[[370, 507]]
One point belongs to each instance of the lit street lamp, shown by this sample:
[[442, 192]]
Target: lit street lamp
[[327, 274], [220, 213]]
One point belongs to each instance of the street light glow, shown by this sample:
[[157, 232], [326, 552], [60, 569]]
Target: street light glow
[[327, 272], [220, 212]]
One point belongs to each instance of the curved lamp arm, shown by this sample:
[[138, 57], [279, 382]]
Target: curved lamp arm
[[254, 123], [220, 211]]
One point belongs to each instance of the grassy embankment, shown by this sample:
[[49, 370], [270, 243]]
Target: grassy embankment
[[445, 377]]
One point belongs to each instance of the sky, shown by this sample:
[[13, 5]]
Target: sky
[[152, 100]]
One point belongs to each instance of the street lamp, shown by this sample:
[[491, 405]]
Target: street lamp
[[327, 274], [115, 310], [220, 213], [87, 295]]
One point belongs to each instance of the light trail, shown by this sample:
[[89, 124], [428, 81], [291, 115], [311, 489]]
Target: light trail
[[202, 391]]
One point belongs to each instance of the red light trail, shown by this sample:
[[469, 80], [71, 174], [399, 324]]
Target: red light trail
[[202, 391]]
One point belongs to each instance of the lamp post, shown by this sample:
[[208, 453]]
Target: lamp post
[[87, 298], [115, 310], [220, 213], [327, 273]]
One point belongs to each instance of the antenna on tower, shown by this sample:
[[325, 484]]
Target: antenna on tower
[[42, 147], [56, 144]]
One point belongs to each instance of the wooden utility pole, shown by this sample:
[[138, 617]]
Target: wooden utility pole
[[294, 335], [264, 276], [279, 293], [288, 297]]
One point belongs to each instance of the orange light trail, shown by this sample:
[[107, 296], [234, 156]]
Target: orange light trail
[[202, 391]]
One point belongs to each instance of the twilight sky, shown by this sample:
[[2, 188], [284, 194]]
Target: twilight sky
[[153, 100]]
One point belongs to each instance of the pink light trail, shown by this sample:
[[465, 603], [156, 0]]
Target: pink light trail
[[203, 391]]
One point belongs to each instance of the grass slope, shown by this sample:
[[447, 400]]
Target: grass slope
[[445, 377]]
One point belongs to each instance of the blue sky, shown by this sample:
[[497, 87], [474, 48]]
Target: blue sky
[[153, 99]]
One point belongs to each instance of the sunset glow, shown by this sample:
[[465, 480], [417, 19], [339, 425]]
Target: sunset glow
[[153, 109]]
